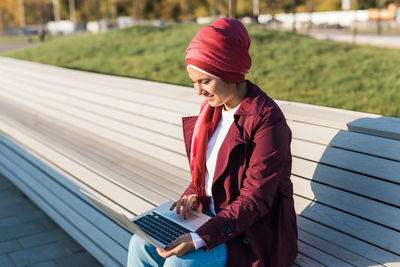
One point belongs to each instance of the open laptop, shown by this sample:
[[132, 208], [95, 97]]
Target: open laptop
[[158, 226]]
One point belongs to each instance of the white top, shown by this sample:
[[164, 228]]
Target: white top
[[213, 146]]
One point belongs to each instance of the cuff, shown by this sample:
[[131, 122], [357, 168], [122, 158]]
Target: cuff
[[197, 241]]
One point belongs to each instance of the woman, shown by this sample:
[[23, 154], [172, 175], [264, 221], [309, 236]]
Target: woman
[[239, 153]]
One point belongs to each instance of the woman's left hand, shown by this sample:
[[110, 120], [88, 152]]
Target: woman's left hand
[[179, 247]]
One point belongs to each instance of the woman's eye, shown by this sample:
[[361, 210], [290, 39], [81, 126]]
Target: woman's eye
[[206, 82]]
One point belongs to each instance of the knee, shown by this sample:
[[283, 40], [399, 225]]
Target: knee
[[136, 243], [173, 261]]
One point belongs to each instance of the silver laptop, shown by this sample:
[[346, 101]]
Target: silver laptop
[[158, 226]]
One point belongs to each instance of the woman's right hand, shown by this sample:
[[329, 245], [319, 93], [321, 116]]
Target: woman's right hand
[[187, 203]]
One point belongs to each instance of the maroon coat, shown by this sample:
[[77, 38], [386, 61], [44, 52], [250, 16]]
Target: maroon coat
[[252, 191]]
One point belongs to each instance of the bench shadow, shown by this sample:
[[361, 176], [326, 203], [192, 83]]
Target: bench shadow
[[353, 198]]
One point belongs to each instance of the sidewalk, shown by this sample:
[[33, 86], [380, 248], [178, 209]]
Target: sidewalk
[[384, 40], [29, 238]]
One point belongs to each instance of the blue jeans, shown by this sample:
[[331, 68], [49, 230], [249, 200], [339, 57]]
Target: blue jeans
[[142, 253]]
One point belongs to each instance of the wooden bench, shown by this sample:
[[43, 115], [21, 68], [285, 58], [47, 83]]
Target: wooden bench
[[121, 139]]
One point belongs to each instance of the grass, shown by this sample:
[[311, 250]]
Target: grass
[[287, 66], [18, 39]]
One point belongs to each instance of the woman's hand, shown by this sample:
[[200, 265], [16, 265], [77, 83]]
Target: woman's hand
[[185, 204], [179, 247]]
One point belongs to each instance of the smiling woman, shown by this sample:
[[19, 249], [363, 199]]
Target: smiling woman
[[240, 162], [216, 91]]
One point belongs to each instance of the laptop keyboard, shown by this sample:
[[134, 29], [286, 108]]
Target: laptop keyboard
[[160, 228]]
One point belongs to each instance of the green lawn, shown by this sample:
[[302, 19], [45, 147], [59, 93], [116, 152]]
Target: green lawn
[[18, 39], [287, 66]]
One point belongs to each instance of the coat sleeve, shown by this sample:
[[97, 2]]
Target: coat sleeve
[[269, 163], [189, 190]]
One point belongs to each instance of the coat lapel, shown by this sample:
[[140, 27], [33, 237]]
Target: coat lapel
[[188, 128], [233, 138]]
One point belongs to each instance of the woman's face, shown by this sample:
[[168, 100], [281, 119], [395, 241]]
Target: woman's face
[[216, 91]]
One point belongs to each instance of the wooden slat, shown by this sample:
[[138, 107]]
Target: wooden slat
[[361, 163], [99, 159], [363, 143], [36, 70], [124, 198], [76, 88], [304, 261], [334, 250], [173, 158], [46, 128], [360, 206], [51, 205], [320, 256], [347, 242], [33, 176], [372, 233], [74, 199], [383, 126], [349, 181], [64, 97], [60, 110], [318, 115]]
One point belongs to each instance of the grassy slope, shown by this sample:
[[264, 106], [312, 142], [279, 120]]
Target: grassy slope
[[286, 66]]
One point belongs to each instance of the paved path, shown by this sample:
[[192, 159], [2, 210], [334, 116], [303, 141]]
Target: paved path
[[29, 238], [385, 40], [14, 46]]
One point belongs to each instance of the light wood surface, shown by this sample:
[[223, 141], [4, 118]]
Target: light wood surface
[[121, 139]]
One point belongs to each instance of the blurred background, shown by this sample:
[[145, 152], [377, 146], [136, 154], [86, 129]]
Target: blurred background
[[337, 53], [30, 17]]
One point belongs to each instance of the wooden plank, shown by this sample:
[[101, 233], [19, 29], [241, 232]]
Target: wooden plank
[[24, 90], [173, 158], [347, 242], [61, 111], [146, 191], [318, 115], [74, 201], [373, 166], [131, 178], [125, 157], [107, 186], [387, 127], [35, 70], [320, 256], [51, 206], [303, 260], [357, 205], [363, 143], [75, 198], [104, 161], [334, 250], [75, 88], [372, 233], [363, 185]]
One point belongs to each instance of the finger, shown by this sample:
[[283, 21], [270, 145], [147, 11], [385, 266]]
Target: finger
[[162, 253], [166, 254], [191, 204], [178, 205], [186, 207], [187, 210], [173, 205]]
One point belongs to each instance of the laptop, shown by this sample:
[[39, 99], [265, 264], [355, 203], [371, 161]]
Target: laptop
[[158, 226]]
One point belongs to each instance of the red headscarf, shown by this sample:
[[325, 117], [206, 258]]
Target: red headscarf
[[221, 49]]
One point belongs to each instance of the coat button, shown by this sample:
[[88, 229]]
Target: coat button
[[246, 240], [227, 229]]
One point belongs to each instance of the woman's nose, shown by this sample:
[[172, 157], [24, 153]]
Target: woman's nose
[[199, 90]]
